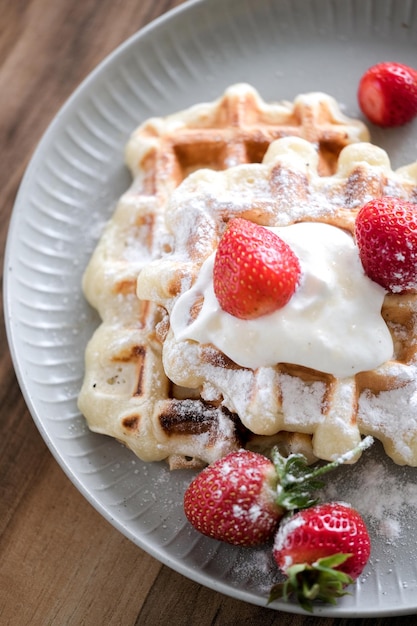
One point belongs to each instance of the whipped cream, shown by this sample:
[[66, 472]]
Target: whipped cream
[[332, 323]]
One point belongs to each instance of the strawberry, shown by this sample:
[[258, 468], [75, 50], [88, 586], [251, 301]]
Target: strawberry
[[255, 271], [386, 234], [387, 94], [241, 497], [232, 499], [321, 550]]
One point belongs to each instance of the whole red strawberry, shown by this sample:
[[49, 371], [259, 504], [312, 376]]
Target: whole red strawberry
[[233, 500], [387, 94], [255, 271], [386, 234], [321, 550]]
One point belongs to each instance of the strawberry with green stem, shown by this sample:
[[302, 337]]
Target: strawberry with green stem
[[321, 550]]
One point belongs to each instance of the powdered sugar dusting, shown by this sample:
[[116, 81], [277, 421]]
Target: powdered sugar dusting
[[392, 415], [285, 529], [301, 403], [387, 501]]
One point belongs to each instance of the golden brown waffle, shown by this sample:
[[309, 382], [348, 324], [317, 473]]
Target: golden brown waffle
[[126, 393], [287, 188]]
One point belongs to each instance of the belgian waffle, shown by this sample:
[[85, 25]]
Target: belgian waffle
[[287, 187], [126, 393]]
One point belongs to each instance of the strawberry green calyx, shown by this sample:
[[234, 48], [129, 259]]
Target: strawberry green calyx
[[297, 481], [317, 582]]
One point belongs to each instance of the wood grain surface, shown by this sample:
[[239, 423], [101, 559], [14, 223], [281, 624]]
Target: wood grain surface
[[61, 563]]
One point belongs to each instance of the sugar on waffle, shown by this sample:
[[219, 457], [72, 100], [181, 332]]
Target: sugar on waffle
[[126, 393], [288, 188]]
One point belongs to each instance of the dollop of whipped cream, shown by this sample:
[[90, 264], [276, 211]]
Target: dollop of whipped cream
[[332, 323]]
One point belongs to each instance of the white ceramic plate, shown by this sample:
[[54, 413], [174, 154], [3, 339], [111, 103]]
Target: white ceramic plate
[[282, 47]]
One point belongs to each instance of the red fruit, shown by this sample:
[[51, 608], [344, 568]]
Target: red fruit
[[242, 497], [255, 271], [321, 550], [233, 499], [386, 234], [322, 531], [387, 94]]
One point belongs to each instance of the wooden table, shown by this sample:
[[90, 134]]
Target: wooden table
[[61, 563]]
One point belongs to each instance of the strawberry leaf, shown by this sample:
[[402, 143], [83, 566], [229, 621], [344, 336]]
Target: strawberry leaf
[[297, 481], [317, 582], [294, 488]]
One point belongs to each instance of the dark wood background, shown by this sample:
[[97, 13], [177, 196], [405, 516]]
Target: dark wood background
[[61, 563]]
